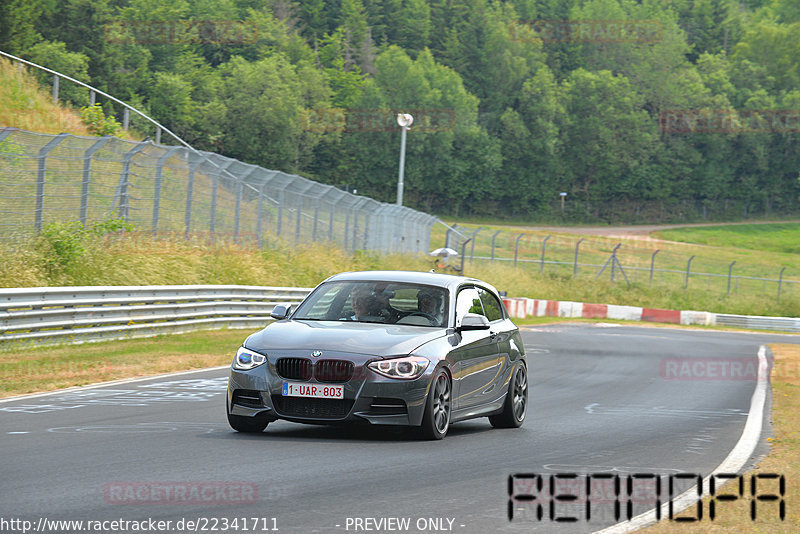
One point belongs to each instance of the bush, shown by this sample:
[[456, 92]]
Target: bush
[[97, 122]]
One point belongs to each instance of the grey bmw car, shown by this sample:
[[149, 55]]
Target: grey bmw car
[[417, 349]]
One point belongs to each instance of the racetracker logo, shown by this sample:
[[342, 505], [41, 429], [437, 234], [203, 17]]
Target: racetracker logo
[[327, 120], [180, 493], [710, 369], [729, 121], [181, 32], [588, 31]]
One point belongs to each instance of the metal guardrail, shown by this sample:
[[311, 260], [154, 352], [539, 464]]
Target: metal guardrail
[[781, 324], [50, 315]]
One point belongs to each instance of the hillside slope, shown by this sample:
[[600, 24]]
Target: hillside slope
[[26, 105]]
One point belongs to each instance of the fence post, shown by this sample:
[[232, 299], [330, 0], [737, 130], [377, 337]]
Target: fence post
[[780, 283], [614, 260], [516, 249], [730, 272], [688, 270], [87, 168], [237, 215], [493, 238], [123, 188], [652, 265], [299, 222], [472, 248], [347, 229], [55, 89], [126, 118], [575, 266], [281, 199], [92, 97], [157, 186], [260, 213], [41, 177], [331, 221], [316, 218], [463, 251], [212, 224], [544, 247], [187, 218]]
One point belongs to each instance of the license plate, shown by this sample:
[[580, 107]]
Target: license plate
[[314, 391]]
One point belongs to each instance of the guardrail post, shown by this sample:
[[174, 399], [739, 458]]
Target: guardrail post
[[40, 178], [575, 265], [158, 135], [652, 265], [55, 88], [87, 168], [92, 97], [126, 119], [730, 272], [688, 270], [780, 283], [493, 238], [472, 248], [516, 249], [544, 247]]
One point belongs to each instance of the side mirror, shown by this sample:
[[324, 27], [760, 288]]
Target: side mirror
[[473, 321], [281, 311]]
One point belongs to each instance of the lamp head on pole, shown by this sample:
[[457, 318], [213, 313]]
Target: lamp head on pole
[[405, 120]]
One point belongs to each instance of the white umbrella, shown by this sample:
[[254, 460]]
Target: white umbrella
[[444, 252]]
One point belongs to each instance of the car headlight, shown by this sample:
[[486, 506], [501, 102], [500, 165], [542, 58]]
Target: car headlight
[[407, 368], [247, 359]]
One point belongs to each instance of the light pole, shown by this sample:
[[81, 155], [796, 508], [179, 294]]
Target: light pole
[[404, 120]]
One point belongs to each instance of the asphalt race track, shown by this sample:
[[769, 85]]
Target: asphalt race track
[[604, 399]]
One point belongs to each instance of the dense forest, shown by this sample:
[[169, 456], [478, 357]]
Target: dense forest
[[639, 110]]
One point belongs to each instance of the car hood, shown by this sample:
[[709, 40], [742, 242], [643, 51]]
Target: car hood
[[358, 338]]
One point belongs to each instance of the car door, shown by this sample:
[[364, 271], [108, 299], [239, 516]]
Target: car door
[[502, 330], [477, 359]]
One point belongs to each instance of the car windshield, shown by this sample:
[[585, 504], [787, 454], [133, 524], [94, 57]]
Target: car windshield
[[376, 302]]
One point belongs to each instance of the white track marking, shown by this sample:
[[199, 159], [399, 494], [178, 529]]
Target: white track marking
[[732, 464]]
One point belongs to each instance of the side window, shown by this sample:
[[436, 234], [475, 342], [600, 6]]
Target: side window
[[491, 305], [468, 301]]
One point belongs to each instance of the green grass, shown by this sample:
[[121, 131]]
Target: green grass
[[49, 368], [774, 237]]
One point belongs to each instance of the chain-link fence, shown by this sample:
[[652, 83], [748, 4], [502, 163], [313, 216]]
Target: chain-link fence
[[168, 189], [639, 259]]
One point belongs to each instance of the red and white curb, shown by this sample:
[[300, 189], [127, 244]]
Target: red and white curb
[[520, 308]]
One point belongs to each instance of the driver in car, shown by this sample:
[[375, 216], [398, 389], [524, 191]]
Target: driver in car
[[428, 304]]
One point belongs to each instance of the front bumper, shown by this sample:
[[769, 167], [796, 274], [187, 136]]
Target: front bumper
[[368, 396]]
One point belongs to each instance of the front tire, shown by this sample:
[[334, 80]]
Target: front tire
[[246, 425], [436, 421], [516, 403]]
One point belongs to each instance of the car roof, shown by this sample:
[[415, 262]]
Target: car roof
[[414, 277]]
